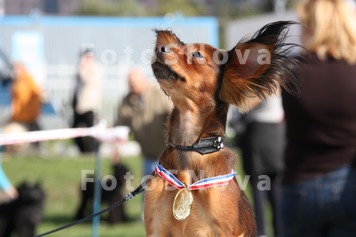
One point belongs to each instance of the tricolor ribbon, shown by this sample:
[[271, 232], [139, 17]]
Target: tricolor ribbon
[[203, 183]]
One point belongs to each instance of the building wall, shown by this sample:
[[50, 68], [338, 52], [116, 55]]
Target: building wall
[[119, 44], [235, 30]]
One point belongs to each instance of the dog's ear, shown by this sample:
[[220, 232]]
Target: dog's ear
[[23, 184], [38, 184], [257, 67], [167, 37]]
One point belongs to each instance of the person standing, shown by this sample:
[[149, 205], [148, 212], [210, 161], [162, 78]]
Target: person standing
[[262, 143], [26, 102], [26, 99], [145, 110], [86, 98], [319, 190]]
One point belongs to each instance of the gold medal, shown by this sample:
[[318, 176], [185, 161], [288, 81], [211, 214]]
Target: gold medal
[[182, 204]]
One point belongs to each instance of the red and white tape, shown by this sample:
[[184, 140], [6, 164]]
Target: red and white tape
[[100, 132]]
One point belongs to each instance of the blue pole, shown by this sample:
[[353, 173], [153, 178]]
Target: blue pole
[[97, 194]]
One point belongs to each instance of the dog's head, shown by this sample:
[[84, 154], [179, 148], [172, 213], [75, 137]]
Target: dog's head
[[203, 75], [31, 193]]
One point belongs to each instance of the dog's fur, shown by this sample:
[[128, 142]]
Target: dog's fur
[[201, 91], [22, 215], [110, 197]]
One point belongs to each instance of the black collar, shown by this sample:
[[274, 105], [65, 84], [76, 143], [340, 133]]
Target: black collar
[[203, 146]]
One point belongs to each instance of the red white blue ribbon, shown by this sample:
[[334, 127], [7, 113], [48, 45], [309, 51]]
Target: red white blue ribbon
[[201, 184]]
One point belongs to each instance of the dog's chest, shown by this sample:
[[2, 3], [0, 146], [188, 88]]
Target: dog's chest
[[204, 221]]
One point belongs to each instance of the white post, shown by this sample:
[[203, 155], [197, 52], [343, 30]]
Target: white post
[[280, 6]]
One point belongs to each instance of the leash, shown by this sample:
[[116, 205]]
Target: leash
[[128, 197]]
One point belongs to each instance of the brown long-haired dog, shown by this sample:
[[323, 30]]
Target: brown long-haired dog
[[202, 81]]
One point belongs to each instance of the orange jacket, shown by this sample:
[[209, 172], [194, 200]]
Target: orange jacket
[[26, 98]]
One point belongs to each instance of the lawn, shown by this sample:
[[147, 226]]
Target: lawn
[[61, 176]]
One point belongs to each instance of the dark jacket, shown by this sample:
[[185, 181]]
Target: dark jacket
[[321, 120], [146, 115]]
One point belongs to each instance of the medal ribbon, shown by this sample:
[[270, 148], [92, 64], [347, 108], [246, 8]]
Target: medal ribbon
[[201, 184]]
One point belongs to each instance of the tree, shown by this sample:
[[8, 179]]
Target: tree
[[112, 8], [187, 8]]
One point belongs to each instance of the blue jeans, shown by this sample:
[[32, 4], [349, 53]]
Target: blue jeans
[[324, 206], [148, 166]]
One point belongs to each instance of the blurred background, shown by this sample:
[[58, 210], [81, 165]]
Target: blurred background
[[48, 36]]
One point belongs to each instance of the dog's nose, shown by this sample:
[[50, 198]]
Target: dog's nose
[[163, 49]]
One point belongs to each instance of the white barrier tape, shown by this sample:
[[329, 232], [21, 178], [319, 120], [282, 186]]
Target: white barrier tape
[[99, 132], [111, 135]]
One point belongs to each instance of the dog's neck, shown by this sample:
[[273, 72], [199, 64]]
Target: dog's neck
[[187, 126]]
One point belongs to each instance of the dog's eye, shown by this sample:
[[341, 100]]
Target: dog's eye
[[197, 54]]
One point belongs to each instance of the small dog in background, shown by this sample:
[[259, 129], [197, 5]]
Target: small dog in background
[[22, 215], [110, 197], [202, 81]]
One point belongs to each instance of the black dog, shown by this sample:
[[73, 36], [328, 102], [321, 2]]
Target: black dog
[[22, 215], [116, 215]]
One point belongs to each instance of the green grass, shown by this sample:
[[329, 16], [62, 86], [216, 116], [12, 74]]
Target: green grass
[[61, 176]]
